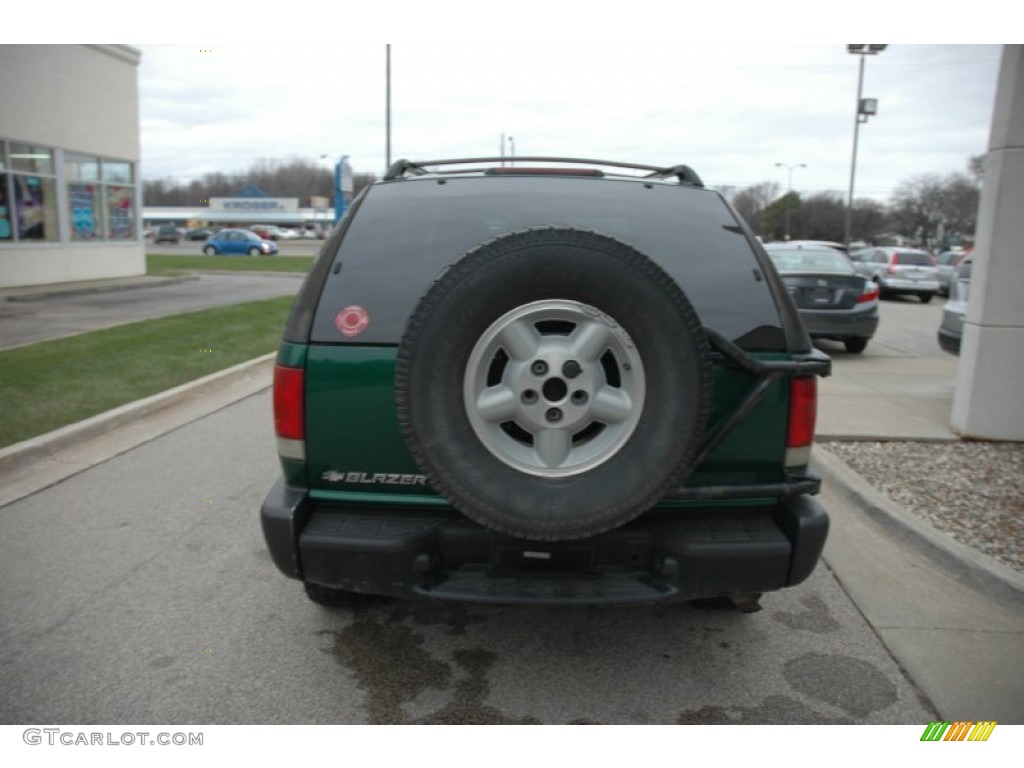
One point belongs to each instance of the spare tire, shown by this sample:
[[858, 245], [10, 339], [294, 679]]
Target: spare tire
[[553, 383]]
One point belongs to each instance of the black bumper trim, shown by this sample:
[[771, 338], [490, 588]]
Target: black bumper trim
[[660, 557]]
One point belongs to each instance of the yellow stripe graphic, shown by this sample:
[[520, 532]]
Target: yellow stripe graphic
[[982, 730]]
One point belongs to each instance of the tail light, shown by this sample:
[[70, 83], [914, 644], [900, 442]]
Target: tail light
[[290, 411], [870, 292], [803, 412]]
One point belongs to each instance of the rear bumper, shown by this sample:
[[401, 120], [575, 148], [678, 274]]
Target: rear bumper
[[949, 341], [905, 285], [661, 557], [840, 324]]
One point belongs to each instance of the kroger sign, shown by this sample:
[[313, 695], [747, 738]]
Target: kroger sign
[[269, 204]]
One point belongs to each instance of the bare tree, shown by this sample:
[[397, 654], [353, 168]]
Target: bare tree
[[751, 202], [930, 209]]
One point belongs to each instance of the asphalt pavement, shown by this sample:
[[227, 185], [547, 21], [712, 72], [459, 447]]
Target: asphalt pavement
[[39, 313], [952, 618]]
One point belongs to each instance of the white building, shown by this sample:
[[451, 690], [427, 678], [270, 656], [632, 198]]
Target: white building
[[70, 197]]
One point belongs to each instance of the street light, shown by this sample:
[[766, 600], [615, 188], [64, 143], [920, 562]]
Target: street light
[[864, 109], [789, 187]]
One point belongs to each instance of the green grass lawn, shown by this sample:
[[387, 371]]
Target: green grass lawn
[[54, 383], [166, 264]]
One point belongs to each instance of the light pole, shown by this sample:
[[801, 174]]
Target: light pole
[[789, 187], [387, 107], [511, 149], [865, 108]]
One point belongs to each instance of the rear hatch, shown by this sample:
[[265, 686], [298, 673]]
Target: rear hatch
[[401, 235], [913, 266]]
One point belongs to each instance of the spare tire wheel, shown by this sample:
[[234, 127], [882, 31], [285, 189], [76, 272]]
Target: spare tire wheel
[[553, 384]]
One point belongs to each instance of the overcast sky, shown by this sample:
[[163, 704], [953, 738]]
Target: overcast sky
[[731, 112]]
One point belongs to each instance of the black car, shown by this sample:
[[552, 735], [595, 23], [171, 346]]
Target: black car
[[835, 301], [567, 383], [167, 234], [199, 233]]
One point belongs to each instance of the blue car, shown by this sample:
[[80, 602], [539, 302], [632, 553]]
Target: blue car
[[239, 242]]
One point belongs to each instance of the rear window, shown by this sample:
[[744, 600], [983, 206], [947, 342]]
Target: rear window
[[406, 232], [914, 258], [805, 260]]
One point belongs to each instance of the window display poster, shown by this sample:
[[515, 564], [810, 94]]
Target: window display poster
[[119, 211], [83, 215], [28, 193], [5, 210]]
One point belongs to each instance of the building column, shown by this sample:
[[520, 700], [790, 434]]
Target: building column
[[989, 400]]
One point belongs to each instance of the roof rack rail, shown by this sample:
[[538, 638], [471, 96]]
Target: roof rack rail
[[401, 168]]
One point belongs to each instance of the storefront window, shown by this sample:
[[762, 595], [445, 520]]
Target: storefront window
[[100, 195], [84, 205], [118, 172], [120, 217], [5, 209], [81, 167], [100, 199], [35, 204], [25, 157]]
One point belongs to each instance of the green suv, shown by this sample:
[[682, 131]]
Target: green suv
[[572, 382]]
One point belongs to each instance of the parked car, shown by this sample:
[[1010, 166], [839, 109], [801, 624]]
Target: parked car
[[239, 242], [167, 234], [900, 271], [199, 233], [270, 232], [283, 233], [826, 243], [835, 301], [951, 327], [583, 389], [947, 262]]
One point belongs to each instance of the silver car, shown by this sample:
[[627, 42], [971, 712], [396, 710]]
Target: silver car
[[900, 270], [947, 262], [951, 328]]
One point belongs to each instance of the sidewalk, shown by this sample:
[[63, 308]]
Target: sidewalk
[[85, 287], [951, 616]]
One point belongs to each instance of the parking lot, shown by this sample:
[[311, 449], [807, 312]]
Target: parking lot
[[140, 591]]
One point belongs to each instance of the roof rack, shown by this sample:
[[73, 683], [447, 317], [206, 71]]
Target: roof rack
[[401, 168]]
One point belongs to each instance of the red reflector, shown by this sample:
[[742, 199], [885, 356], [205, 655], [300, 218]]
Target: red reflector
[[803, 411], [289, 404]]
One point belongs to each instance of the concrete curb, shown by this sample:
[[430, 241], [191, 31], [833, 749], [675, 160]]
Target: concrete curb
[[993, 578], [257, 373], [83, 290]]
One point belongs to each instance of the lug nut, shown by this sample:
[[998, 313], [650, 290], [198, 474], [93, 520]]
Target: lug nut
[[571, 369], [554, 414], [539, 368], [579, 397], [529, 397]]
